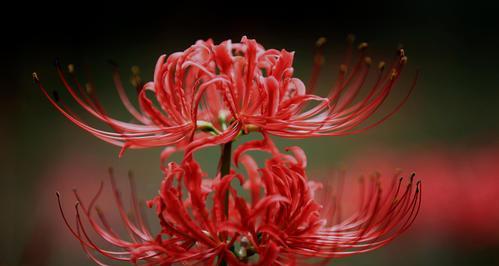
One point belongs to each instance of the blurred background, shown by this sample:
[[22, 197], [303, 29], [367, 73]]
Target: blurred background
[[447, 133]]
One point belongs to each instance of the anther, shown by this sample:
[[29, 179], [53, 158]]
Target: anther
[[135, 79], [71, 68], [393, 74], [35, 77], [135, 70], [362, 46], [368, 60], [412, 176], [418, 186], [401, 52], [381, 65], [320, 42], [89, 88]]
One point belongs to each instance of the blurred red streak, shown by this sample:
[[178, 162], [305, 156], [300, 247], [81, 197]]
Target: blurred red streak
[[460, 192]]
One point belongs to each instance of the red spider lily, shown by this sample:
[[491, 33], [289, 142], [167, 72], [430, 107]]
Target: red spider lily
[[234, 88], [285, 223]]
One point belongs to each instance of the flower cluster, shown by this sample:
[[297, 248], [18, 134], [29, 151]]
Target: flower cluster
[[286, 222], [273, 214]]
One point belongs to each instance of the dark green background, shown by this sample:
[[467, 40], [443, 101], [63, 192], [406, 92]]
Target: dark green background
[[456, 103]]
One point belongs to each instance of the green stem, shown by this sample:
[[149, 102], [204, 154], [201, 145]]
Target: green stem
[[224, 169]]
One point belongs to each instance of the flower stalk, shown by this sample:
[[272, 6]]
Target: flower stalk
[[224, 169]]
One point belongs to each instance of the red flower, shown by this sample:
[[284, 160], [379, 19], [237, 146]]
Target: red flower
[[212, 93], [285, 223]]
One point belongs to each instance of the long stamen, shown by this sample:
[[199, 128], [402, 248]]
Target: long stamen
[[318, 62]]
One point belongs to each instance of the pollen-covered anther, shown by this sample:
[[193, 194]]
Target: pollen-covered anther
[[368, 60], [135, 70], [363, 46], [71, 68], [381, 65], [394, 73], [135, 79], [401, 52], [89, 88], [35, 77], [418, 185], [413, 174], [321, 42]]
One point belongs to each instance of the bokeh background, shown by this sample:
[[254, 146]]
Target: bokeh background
[[447, 133]]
